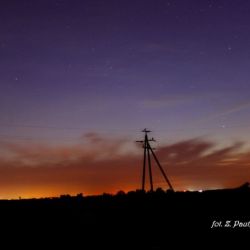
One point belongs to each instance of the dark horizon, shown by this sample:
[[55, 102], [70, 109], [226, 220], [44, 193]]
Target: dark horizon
[[243, 188]]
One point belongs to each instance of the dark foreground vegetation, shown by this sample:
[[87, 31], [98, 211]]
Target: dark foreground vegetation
[[135, 220]]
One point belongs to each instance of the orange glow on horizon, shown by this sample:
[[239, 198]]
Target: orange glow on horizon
[[43, 171]]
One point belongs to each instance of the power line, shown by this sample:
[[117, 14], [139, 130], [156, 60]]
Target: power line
[[119, 130], [42, 127], [63, 128], [222, 127], [27, 137], [105, 131]]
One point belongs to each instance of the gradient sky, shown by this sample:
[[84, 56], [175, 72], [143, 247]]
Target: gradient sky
[[82, 78]]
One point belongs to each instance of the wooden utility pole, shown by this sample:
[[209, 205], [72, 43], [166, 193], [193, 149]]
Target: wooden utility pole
[[147, 159]]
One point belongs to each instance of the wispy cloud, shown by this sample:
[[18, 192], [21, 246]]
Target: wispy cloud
[[99, 166], [174, 100], [232, 110]]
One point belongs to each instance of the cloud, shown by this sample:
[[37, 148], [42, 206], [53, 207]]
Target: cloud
[[201, 164], [235, 109], [175, 100], [167, 101], [99, 165]]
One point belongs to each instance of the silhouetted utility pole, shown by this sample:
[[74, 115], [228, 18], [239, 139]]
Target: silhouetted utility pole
[[146, 158]]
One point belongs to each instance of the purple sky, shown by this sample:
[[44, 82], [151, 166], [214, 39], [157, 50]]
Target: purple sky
[[180, 68], [125, 65]]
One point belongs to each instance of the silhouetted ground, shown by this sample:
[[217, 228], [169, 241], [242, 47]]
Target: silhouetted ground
[[135, 220]]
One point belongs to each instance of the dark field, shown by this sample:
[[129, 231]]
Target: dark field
[[135, 220]]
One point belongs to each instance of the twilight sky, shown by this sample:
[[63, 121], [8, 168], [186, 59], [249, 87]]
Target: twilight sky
[[79, 80]]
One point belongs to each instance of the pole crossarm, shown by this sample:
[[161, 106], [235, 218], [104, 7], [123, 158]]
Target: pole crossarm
[[147, 162]]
